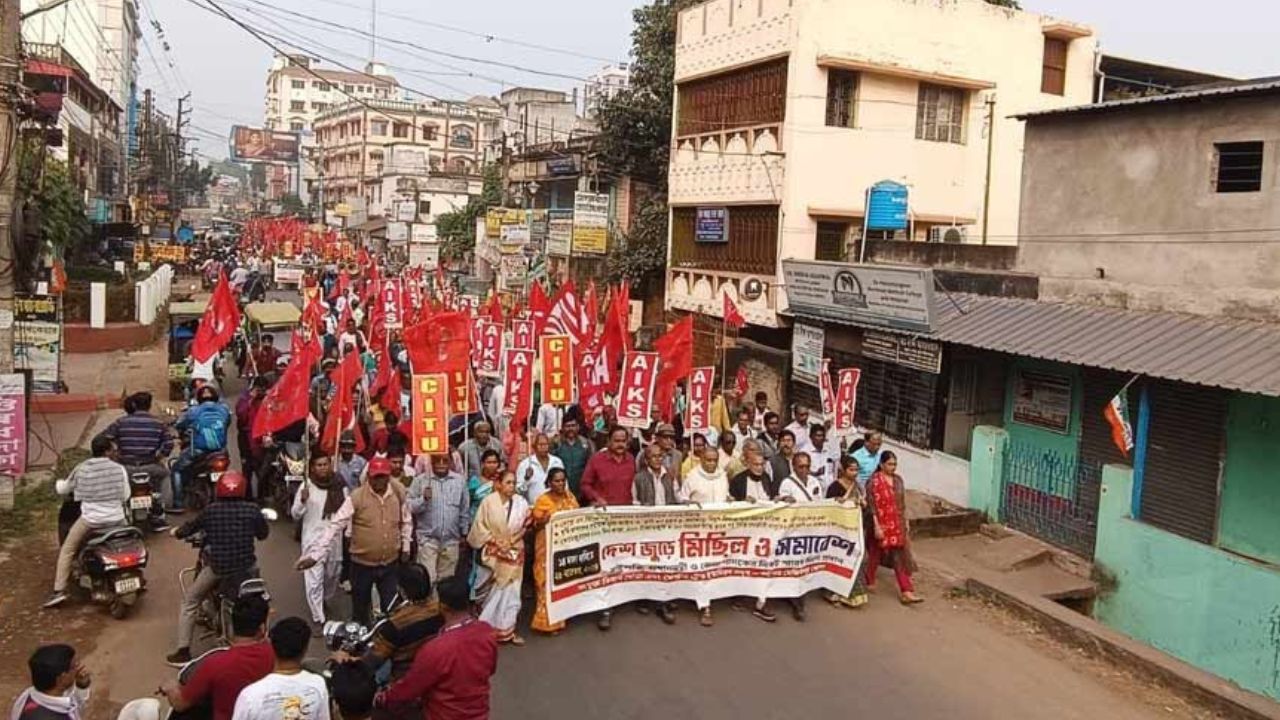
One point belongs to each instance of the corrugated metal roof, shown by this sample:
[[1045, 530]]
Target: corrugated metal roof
[[1232, 354], [1246, 87]]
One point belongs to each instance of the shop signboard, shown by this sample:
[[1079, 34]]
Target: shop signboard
[[590, 223], [559, 232], [37, 341], [903, 350], [712, 225], [878, 295], [807, 343]]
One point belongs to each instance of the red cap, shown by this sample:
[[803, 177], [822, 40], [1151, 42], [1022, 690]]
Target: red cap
[[379, 466]]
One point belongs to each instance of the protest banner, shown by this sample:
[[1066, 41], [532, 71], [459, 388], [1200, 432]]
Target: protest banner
[[518, 381], [845, 402], [701, 381], [488, 346], [592, 380], [392, 303], [598, 560], [635, 399], [430, 402], [522, 334], [556, 352], [826, 395], [462, 392], [13, 425]]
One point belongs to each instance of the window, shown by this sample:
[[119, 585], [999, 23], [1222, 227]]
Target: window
[[400, 130], [424, 208], [752, 246], [296, 126], [298, 84], [347, 88], [940, 114], [830, 241], [378, 127], [428, 132], [841, 86], [1239, 167], [461, 137], [322, 86], [1053, 73], [298, 105], [319, 106], [755, 95]]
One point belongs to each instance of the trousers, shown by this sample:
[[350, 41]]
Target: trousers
[[67, 553], [440, 560], [363, 579], [321, 582], [874, 553], [202, 585]]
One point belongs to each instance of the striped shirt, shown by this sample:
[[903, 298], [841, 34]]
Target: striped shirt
[[101, 486], [141, 438], [445, 517]]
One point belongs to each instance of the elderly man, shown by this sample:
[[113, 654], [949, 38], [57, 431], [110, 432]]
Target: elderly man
[[654, 486], [441, 509], [800, 425], [664, 436], [531, 474], [743, 431], [800, 487], [473, 449]]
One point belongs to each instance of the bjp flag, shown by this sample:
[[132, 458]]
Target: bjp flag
[[430, 398]]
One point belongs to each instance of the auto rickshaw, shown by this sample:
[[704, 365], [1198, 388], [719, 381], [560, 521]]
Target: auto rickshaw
[[184, 318], [278, 319]]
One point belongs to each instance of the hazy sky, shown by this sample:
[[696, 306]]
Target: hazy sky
[[225, 68]]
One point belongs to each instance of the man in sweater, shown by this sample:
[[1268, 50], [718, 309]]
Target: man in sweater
[[101, 486], [377, 515]]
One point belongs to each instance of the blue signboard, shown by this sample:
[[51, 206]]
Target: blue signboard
[[712, 225], [887, 206], [186, 235]]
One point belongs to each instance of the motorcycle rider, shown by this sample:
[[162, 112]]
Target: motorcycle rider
[[208, 422], [144, 441], [230, 523], [409, 625], [101, 486], [222, 674]]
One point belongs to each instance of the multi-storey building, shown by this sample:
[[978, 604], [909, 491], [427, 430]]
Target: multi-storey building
[[377, 151], [603, 85], [533, 116], [298, 91]]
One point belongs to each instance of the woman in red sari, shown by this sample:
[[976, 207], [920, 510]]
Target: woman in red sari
[[890, 541]]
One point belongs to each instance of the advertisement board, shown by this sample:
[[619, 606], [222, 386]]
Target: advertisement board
[[559, 232], [807, 343], [260, 145], [882, 295], [37, 340], [590, 223]]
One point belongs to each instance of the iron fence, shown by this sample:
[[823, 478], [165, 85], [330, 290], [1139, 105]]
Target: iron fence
[[1051, 495]]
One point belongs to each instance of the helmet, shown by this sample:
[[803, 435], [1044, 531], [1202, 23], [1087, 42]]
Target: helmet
[[379, 466], [231, 486]]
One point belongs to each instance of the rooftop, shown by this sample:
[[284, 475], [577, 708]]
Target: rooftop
[[1195, 93], [343, 76]]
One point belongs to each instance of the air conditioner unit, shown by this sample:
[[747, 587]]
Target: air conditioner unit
[[948, 234]]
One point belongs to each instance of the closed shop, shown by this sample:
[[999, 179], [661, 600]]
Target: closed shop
[[1183, 466]]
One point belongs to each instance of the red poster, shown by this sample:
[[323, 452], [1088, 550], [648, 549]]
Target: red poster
[[522, 334], [518, 382], [827, 394], [462, 393], [488, 348], [557, 369], [392, 303], [700, 384], [845, 402], [592, 379], [635, 400], [430, 398], [13, 425]]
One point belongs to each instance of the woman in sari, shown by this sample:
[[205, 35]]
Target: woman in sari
[[556, 499], [498, 539], [890, 535], [846, 490]]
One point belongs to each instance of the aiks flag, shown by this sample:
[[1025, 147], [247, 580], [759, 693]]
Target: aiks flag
[[218, 324]]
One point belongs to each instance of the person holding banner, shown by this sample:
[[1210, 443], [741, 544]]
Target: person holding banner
[[801, 487], [846, 489], [824, 457], [556, 499], [891, 541], [533, 472], [608, 481], [706, 483], [498, 536]]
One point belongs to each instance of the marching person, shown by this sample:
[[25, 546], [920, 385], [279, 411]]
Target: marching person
[[314, 505], [770, 438], [608, 480], [654, 486], [891, 529], [574, 451], [441, 508], [868, 458], [743, 431], [351, 467], [556, 499], [845, 489], [473, 450], [751, 485], [823, 456], [760, 412], [288, 692], [801, 487], [706, 483], [780, 463], [221, 675], [101, 486], [411, 624], [799, 426], [498, 537], [377, 516], [531, 474]]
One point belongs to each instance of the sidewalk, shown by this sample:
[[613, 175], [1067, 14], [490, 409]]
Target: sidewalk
[[1052, 590]]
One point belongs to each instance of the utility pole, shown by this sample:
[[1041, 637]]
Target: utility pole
[[180, 151], [10, 51]]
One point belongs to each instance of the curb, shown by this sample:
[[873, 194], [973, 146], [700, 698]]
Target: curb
[[72, 403], [1090, 636]]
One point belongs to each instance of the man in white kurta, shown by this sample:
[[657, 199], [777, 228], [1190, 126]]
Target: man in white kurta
[[309, 505]]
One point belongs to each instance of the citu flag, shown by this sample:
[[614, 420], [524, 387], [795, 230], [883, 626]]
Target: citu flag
[[675, 362], [218, 324]]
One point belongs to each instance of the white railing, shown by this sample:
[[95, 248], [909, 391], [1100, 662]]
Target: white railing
[[152, 294], [703, 291]]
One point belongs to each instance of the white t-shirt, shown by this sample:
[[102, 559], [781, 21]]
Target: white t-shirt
[[301, 696], [808, 491]]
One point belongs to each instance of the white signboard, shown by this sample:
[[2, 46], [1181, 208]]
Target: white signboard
[[559, 232], [397, 232], [424, 233], [424, 256], [405, 210], [807, 344], [895, 297]]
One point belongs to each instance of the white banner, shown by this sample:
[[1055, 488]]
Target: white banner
[[807, 345], [598, 559]]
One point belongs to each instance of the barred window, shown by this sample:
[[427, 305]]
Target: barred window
[[842, 85], [940, 114]]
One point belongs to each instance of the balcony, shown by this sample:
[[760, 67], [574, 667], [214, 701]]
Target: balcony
[[720, 34], [736, 166], [702, 291]]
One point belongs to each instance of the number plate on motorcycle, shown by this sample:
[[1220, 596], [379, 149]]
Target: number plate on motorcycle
[[139, 503], [128, 585], [214, 477], [293, 478]]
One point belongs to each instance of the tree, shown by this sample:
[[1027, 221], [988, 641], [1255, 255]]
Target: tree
[[635, 138], [53, 213], [457, 229], [292, 205]]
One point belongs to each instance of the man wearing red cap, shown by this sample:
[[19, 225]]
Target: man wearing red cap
[[381, 530]]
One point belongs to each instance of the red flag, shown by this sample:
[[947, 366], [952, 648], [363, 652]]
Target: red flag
[[339, 287], [383, 374], [442, 345], [389, 399], [615, 340], [342, 413], [539, 308], [590, 314], [732, 318], [740, 385], [218, 324], [675, 353], [286, 402]]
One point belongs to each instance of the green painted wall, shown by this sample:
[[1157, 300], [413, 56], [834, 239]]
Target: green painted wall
[[1249, 511], [1066, 444], [986, 465], [1211, 608]]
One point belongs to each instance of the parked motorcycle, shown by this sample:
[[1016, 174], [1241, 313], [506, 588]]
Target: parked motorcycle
[[110, 565], [214, 611]]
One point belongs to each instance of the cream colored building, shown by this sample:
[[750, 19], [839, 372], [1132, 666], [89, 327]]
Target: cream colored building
[[787, 111], [382, 150]]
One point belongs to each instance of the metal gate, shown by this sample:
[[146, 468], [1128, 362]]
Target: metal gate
[[1052, 496]]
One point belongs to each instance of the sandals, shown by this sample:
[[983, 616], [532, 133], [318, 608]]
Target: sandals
[[912, 600], [706, 620], [515, 640]]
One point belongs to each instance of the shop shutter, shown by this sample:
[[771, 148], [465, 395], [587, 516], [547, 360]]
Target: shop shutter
[[1184, 458]]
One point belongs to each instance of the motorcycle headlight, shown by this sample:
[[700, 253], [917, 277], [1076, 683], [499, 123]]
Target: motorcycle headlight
[[339, 634]]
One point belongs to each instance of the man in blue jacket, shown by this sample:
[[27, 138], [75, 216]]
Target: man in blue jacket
[[208, 422]]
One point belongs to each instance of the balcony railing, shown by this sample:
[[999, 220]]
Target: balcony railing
[[703, 291], [740, 165]]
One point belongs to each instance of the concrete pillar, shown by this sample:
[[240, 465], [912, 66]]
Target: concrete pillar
[[986, 468], [97, 305]]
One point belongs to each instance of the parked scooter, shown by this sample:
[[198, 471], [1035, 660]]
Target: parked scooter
[[110, 565]]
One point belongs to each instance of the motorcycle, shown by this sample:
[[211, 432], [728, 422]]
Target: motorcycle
[[200, 478], [284, 473], [109, 566], [214, 612], [145, 511]]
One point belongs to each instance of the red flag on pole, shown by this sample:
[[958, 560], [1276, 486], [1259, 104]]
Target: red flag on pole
[[740, 385], [675, 355], [286, 402], [732, 317], [218, 324]]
